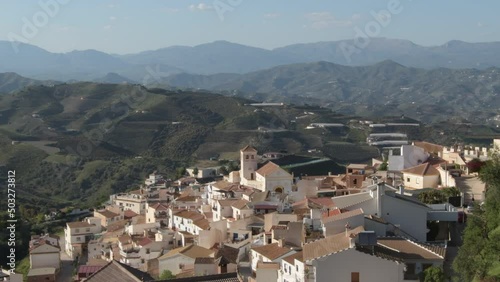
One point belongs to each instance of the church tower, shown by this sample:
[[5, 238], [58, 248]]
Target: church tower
[[248, 163]]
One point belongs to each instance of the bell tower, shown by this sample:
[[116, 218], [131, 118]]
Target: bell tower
[[248, 163]]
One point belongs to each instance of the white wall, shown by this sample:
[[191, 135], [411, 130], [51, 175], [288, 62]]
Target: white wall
[[172, 263], [412, 218], [338, 267], [45, 260]]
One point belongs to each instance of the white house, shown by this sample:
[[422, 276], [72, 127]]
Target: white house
[[45, 256], [181, 259], [78, 234], [409, 156], [268, 253], [406, 215], [421, 176], [157, 212]]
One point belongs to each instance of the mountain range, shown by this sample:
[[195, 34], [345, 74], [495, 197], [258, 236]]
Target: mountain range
[[226, 57], [380, 89]]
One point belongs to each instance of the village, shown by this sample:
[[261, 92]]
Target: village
[[262, 223]]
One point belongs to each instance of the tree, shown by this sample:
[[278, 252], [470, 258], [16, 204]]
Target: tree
[[195, 172], [223, 170], [451, 191], [480, 250], [383, 166], [166, 275], [475, 165], [432, 197], [434, 274]]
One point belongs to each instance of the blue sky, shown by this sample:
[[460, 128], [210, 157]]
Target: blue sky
[[130, 26]]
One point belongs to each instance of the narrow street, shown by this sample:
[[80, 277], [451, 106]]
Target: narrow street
[[66, 273], [456, 230]]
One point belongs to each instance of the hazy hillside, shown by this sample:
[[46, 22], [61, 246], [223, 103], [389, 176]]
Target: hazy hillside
[[383, 88], [10, 82], [210, 58], [70, 134]]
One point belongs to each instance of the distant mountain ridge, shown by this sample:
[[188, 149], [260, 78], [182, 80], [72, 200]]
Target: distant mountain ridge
[[11, 82], [226, 57], [383, 88]]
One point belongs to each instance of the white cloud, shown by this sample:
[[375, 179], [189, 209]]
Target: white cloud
[[200, 7], [271, 16], [112, 18], [356, 17], [111, 6], [480, 24], [107, 27], [320, 20]]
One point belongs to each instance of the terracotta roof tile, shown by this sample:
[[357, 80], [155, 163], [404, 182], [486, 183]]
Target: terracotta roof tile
[[269, 168], [189, 215], [342, 216], [291, 259], [191, 251], [79, 224], [248, 148], [423, 169], [329, 245], [108, 213], [202, 223], [429, 147]]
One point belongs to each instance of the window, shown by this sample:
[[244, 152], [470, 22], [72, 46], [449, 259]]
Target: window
[[354, 276], [410, 268], [252, 157], [77, 230], [147, 251], [251, 176], [355, 181], [247, 156], [417, 180], [77, 238], [87, 230], [407, 179]]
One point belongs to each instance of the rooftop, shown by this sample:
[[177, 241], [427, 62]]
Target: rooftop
[[422, 170], [291, 258], [272, 251], [248, 148], [269, 168], [44, 249], [342, 216], [116, 271], [79, 224], [108, 213], [191, 251], [329, 245]]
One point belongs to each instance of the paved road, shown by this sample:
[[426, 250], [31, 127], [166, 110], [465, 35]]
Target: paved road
[[471, 186], [66, 274], [456, 230]]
